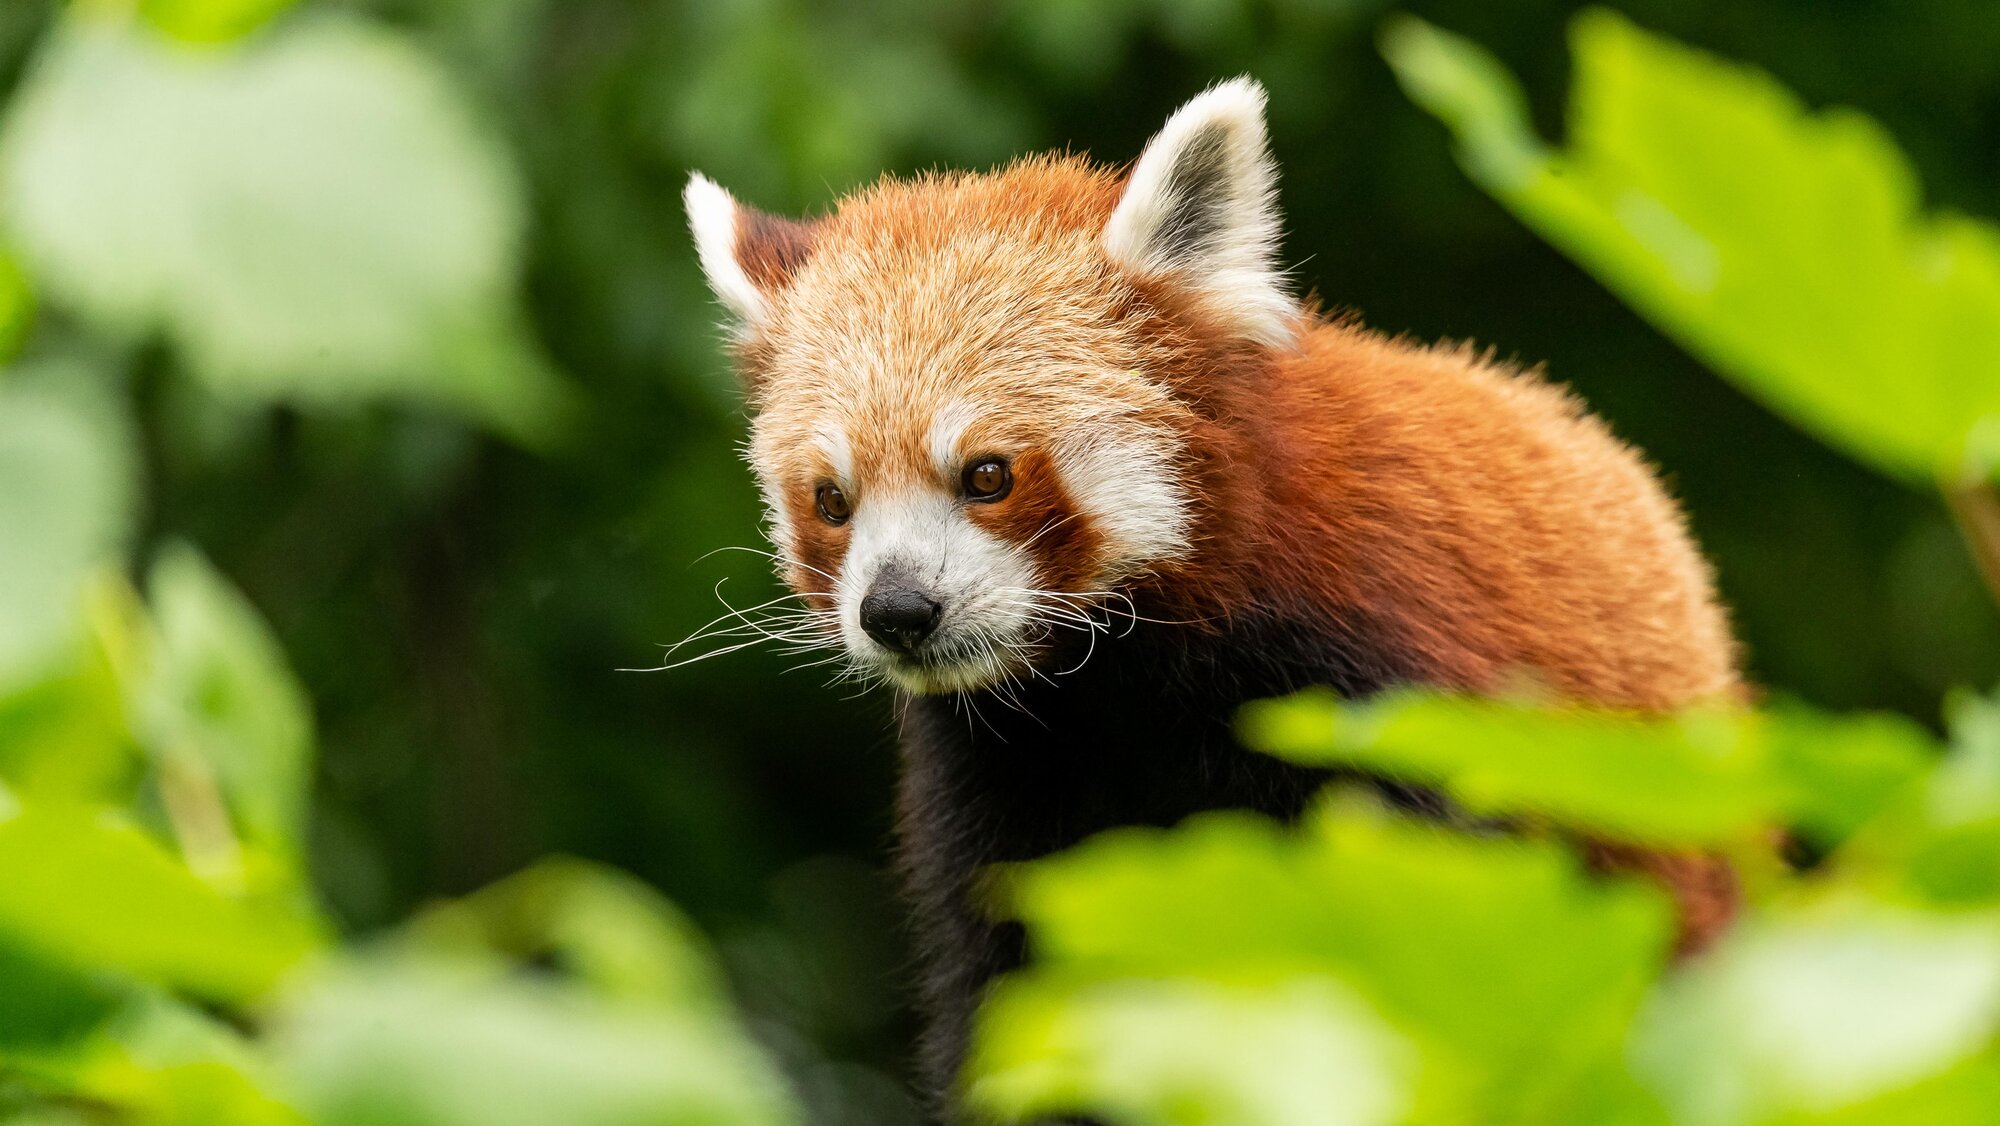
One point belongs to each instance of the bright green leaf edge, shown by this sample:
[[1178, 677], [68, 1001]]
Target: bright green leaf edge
[[1698, 779], [1879, 332]]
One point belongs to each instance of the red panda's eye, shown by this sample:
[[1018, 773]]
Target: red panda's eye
[[833, 506], [988, 479]]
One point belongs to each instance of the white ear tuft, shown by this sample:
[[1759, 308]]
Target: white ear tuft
[[712, 214], [1201, 207]]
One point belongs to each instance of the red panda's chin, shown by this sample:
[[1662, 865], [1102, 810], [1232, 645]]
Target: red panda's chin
[[929, 678], [943, 673]]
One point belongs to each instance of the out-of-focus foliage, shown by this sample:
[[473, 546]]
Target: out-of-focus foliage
[[310, 217], [217, 700], [209, 21], [293, 282], [1301, 1050], [66, 498], [1714, 778], [168, 874], [441, 1026], [1785, 248], [1264, 917], [1454, 977], [315, 214]]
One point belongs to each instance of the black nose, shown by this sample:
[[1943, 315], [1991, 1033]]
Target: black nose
[[898, 616]]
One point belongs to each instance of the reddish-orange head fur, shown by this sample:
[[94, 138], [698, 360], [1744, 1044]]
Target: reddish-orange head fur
[[1179, 433]]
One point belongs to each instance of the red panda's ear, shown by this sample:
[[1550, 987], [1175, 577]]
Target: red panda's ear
[[1200, 208], [747, 254]]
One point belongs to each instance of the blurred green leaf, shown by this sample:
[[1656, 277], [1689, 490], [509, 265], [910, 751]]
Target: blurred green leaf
[[210, 21], [610, 931], [1301, 1052], [158, 1062], [442, 1025], [1941, 842], [1783, 248], [48, 1005], [1806, 1013], [1698, 778], [40, 1115], [17, 307], [314, 215], [1840, 771], [66, 499], [1695, 778], [1500, 958], [86, 888], [218, 698], [65, 737], [434, 1041]]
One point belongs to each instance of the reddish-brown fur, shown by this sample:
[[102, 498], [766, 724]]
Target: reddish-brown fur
[[1475, 512], [1505, 532], [1335, 509], [1501, 530], [1497, 529], [1059, 536]]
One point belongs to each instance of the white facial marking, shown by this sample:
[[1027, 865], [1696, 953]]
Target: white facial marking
[[1127, 484], [831, 440], [979, 580], [778, 525], [948, 428], [712, 217]]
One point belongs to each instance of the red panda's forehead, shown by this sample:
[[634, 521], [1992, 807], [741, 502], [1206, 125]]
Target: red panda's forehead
[[911, 320], [941, 320]]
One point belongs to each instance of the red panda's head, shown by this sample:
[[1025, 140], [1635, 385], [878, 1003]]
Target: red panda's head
[[961, 428]]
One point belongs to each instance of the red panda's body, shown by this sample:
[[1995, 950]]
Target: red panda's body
[[1498, 535], [997, 413]]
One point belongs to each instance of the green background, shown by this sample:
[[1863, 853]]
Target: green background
[[458, 604]]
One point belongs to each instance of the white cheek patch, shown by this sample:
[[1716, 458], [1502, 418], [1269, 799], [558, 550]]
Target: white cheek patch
[[831, 441], [981, 581], [1129, 485], [778, 525], [1124, 477]]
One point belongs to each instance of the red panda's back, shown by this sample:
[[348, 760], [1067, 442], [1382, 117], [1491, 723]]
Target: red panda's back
[[1499, 529]]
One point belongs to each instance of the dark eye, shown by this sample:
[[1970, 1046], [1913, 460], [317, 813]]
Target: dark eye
[[833, 506], [987, 479]]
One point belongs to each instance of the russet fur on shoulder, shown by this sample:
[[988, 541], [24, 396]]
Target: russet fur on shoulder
[[1054, 450]]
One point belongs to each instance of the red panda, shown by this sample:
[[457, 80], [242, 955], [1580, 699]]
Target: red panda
[[997, 413]]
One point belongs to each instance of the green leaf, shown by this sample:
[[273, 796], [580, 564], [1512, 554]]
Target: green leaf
[[49, 1005], [1841, 771], [1941, 842], [1783, 248], [66, 499], [210, 21], [1695, 779], [314, 215], [17, 308], [439, 1042], [614, 934], [66, 736], [441, 1026], [218, 698], [1500, 958], [85, 888], [1817, 1010], [160, 1062], [1300, 1052]]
